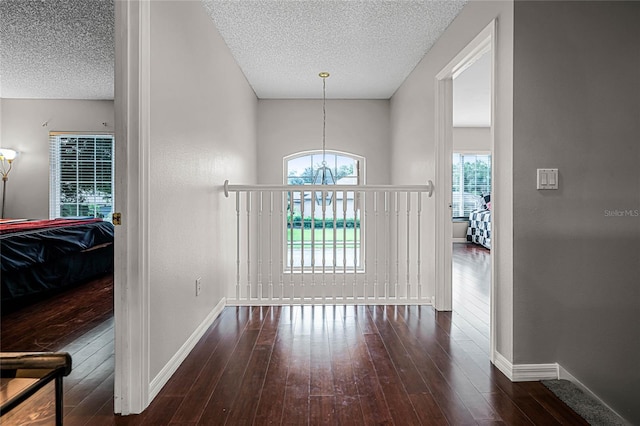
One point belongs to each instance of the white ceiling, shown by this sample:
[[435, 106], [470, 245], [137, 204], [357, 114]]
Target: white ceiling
[[369, 47], [64, 49], [57, 49]]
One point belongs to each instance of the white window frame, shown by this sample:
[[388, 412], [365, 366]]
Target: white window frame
[[464, 153], [360, 180], [55, 170]]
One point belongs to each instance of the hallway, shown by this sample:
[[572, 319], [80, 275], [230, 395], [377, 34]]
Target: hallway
[[314, 365]]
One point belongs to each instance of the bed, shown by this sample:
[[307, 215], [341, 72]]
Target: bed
[[41, 257], [479, 230]]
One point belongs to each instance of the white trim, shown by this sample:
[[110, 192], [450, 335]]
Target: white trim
[[525, 372], [537, 372], [458, 240], [502, 364], [444, 225], [565, 375], [534, 372], [485, 40], [330, 302], [131, 272], [170, 367]]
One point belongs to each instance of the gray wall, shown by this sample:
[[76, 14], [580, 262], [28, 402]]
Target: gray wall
[[576, 265]]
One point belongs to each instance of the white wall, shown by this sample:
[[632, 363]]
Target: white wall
[[357, 126], [22, 129], [203, 131], [472, 139], [413, 135]]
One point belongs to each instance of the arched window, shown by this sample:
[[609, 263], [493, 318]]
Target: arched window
[[328, 235]]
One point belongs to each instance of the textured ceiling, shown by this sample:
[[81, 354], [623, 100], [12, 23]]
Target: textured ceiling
[[369, 47], [57, 49], [64, 49]]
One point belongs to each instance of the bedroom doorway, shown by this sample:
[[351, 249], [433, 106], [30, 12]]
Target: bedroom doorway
[[465, 145]]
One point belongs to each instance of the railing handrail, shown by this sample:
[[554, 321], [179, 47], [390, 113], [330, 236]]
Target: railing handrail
[[428, 188]]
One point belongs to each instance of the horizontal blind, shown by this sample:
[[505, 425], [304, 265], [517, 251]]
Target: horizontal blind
[[81, 175], [471, 179]]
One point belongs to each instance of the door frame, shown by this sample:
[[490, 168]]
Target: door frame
[[485, 40], [131, 251]]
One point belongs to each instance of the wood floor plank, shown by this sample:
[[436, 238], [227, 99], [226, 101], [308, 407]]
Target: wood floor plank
[[227, 388], [195, 400], [271, 404], [399, 404], [372, 400], [245, 404], [296, 395], [188, 372], [322, 410], [341, 332]]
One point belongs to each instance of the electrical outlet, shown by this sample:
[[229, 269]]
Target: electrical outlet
[[198, 286]]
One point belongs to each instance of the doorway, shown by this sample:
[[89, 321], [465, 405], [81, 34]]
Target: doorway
[[477, 58]]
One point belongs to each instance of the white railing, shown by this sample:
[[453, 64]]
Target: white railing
[[316, 244]]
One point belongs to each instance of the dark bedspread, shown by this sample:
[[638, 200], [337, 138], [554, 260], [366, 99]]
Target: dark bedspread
[[35, 261]]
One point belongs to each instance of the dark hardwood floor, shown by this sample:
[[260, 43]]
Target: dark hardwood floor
[[295, 365]]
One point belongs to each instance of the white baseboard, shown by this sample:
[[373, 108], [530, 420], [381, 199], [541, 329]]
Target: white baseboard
[[525, 372], [535, 372], [459, 240], [167, 371], [565, 375]]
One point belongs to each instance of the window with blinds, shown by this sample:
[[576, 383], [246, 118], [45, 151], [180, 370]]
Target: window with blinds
[[471, 179], [82, 177]]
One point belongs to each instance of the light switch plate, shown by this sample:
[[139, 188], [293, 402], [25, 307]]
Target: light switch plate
[[547, 179]]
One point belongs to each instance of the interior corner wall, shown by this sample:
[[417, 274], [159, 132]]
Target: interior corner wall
[[359, 127], [414, 148], [576, 251], [24, 129], [203, 131]]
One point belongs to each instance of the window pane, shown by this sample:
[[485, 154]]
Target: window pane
[[82, 176], [318, 234], [471, 179]]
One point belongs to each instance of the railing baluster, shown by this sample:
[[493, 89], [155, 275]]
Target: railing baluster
[[324, 245], [355, 244], [371, 279], [290, 238], [363, 257], [313, 245], [397, 257], [248, 206], [302, 195], [237, 246], [283, 227], [408, 285], [387, 258], [344, 244], [270, 226], [419, 283], [259, 242], [375, 245], [334, 265]]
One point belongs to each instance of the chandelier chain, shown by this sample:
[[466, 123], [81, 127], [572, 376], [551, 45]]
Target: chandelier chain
[[324, 120]]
